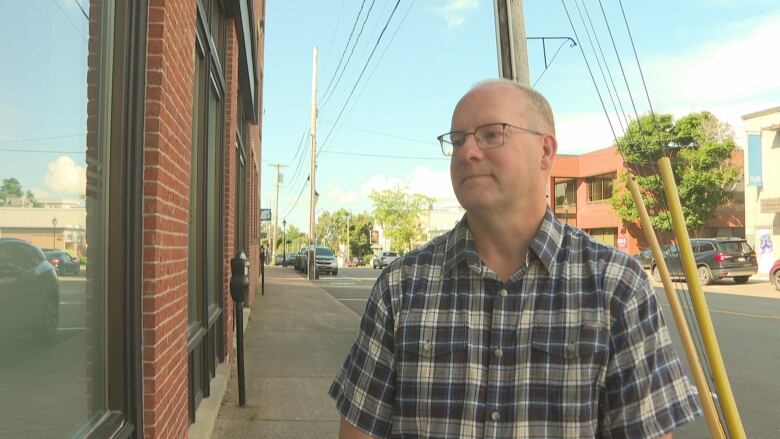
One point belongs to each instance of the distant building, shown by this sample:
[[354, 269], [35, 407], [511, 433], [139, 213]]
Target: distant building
[[762, 185], [581, 186], [61, 228]]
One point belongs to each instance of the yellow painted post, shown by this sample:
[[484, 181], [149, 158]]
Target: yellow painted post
[[730, 412], [705, 396]]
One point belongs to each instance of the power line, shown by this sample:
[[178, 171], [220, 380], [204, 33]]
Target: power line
[[36, 139], [326, 98], [75, 28], [379, 39], [381, 57], [380, 133], [295, 203], [82, 9], [404, 157], [344, 52]]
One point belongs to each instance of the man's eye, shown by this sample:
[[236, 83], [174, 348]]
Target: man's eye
[[458, 141]]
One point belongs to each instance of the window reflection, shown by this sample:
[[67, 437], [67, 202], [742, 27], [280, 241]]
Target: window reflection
[[54, 111]]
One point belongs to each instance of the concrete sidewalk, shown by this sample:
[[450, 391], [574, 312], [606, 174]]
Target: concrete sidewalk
[[297, 339]]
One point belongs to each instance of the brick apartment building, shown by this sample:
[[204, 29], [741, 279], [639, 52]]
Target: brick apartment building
[[581, 186], [167, 98]]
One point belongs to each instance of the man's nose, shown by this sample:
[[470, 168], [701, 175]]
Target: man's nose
[[470, 150]]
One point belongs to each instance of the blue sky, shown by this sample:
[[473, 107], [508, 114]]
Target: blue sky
[[715, 55], [696, 55]]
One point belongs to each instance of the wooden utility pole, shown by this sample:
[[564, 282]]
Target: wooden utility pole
[[276, 210], [311, 266], [510, 40]]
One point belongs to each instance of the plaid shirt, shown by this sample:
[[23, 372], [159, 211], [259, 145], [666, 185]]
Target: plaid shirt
[[573, 345]]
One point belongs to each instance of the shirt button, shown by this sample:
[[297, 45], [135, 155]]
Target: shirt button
[[502, 292], [495, 416], [499, 353], [427, 346], [571, 348]]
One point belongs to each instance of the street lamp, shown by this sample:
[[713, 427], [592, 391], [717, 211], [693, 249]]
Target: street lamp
[[54, 232], [284, 243]]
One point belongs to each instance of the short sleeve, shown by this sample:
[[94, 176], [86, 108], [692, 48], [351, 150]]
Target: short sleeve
[[646, 391], [364, 388]]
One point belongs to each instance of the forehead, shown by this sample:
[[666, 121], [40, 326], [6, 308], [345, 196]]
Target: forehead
[[488, 104]]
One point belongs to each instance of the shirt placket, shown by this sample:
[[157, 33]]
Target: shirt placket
[[499, 411]]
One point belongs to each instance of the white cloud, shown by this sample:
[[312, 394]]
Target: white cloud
[[435, 184], [340, 197], [456, 11], [731, 70], [379, 183], [64, 176], [422, 180], [39, 193]]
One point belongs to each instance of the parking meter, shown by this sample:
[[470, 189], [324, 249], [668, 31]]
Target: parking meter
[[239, 286], [239, 280]]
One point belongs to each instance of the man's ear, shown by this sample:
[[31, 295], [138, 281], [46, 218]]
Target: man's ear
[[549, 149]]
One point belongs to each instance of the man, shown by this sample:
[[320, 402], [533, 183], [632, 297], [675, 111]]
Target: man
[[512, 324]]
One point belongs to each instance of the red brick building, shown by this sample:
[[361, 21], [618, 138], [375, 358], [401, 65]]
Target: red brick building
[[581, 186], [165, 97]]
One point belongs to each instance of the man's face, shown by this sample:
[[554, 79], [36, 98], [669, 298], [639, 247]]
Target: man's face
[[507, 178]]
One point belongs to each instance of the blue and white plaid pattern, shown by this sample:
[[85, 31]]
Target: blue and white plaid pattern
[[572, 346]]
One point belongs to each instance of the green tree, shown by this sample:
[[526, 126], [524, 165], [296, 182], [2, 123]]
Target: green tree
[[11, 188], [399, 214], [31, 200], [700, 148]]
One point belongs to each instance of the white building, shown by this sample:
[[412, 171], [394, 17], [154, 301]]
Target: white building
[[762, 185]]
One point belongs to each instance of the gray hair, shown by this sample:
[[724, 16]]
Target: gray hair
[[538, 103]]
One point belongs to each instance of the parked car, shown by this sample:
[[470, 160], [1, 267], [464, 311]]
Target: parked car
[[63, 262], [289, 259], [774, 274], [29, 290], [716, 258], [645, 258], [383, 259], [279, 259], [299, 259], [325, 260]]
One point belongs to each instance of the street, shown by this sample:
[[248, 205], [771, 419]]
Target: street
[[746, 320], [47, 377]]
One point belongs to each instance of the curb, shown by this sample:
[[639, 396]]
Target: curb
[[208, 410]]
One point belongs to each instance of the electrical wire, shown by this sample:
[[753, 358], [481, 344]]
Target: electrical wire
[[403, 157], [379, 39], [75, 28], [344, 52], [327, 97]]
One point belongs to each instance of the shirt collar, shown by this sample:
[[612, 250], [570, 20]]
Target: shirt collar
[[460, 244]]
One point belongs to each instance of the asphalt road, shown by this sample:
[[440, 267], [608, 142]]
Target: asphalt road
[[747, 328]]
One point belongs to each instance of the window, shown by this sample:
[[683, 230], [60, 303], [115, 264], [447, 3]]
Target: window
[[74, 337], [206, 317], [566, 200], [605, 235], [600, 187]]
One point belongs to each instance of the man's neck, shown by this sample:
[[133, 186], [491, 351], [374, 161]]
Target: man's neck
[[502, 241]]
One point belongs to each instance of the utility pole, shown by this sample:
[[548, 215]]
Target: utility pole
[[510, 39], [312, 267], [348, 215], [276, 210]]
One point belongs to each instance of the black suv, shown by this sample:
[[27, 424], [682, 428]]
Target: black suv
[[716, 258]]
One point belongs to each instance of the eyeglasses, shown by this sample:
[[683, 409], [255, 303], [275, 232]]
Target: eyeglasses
[[487, 137]]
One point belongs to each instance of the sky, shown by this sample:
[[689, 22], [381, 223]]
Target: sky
[[714, 55], [391, 102]]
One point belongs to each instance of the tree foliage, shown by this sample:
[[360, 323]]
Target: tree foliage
[[332, 231], [700, 148], [11, 188], [399, 214]]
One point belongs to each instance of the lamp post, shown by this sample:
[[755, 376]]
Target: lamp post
[[54, 232], [284, 243]]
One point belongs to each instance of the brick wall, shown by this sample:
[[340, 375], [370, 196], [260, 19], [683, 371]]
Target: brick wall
[[167, 154]]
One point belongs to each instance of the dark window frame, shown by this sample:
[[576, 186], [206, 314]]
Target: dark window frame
[[599, 185]]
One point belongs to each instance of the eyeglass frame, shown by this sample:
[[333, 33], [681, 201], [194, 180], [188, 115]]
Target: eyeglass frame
[[474, 133]]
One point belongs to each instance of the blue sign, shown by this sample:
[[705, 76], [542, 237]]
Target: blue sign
[[265, 214], [754, 160]]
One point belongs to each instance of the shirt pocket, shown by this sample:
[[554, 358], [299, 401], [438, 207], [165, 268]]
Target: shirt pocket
[[431, 365], [566, 369]]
